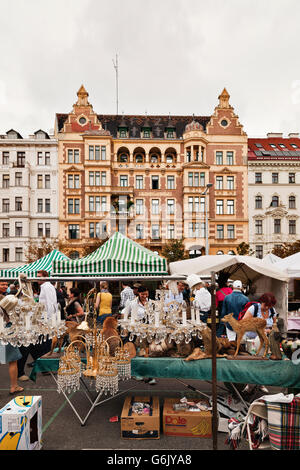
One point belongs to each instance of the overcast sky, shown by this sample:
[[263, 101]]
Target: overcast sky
[[175, 56]]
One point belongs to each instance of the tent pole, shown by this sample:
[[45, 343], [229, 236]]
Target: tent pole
[[214, 362]]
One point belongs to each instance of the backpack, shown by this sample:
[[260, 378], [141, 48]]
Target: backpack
[[248, 305]]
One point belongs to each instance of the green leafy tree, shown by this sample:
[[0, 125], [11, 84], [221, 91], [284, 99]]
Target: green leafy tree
[[286, 249], [243, 249], [174, 251]]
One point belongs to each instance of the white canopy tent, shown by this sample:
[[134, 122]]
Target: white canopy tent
[[266, 277], [291, 265], [271, 258]]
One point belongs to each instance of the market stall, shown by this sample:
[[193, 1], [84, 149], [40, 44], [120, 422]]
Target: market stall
[[31, 269], [250, 270], [119, 256]]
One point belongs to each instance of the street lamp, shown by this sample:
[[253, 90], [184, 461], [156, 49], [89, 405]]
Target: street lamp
[[205, 193]]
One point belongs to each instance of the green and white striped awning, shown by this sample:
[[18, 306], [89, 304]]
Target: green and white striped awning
[[118, 256], [31, 269]]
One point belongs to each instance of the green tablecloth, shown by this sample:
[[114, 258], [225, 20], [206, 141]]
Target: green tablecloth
[[272, 373]]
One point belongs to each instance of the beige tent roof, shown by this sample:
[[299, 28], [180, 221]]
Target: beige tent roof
[[244, 268]]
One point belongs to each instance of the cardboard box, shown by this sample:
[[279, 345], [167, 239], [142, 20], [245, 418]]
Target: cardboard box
[[185, 423], [21, 424], [135, 426]]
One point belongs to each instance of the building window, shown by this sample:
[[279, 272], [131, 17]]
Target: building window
[[220, 231], [258, 227], [139, 182], [139, 231], [47, 158], [169, 159], [47, 230], [230, 206], [230, 231], [19, 254], [47, 206], [258, 202], [229, 158], [139, 206], [47, 182], [40, 231], [188, 155], [5, 230], [73, 206], [5, 255], [292, 202], [274, 178], [21, 159], [74, 231], [5, 181], [103, 203], [259, 252], [155, 182], [73, 181], [40, 205], [40, 158], [5, 158], [18, 204], [170, 206], [275, 201], [219, 182], [258, 178], [5, 205], [18, 229], [146, 133], [155, 206], [103, 152], [292, 227], [171, 231], [292, 178], [219, 158], [277, 225], [123, 181], [170, 182], [155, 232], [122, 132], [18, 179], [230, 182], [73, 155], [220, 206], [39, 181]]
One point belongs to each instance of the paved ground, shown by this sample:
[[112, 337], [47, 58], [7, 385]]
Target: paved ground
[[63, 431]]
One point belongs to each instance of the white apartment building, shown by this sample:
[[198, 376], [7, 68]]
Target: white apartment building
[[273, 191], [28, 193]]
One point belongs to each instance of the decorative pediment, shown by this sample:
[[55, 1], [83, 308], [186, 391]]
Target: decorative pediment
[[72, 168], [224, 120], [196, 164], [226, 170]]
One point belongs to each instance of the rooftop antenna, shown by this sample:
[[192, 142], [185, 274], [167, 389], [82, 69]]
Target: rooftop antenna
[[116, 67]]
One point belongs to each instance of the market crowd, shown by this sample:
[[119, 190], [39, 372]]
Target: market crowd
[[230, 297]]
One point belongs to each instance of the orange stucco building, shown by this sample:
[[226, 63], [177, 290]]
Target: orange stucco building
[[153, 178]]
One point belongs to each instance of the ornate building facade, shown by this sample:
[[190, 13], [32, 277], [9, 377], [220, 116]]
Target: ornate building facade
[[153, 178], [28, 193], [274, 191]]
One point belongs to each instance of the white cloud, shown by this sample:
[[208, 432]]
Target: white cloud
[[174, 56]]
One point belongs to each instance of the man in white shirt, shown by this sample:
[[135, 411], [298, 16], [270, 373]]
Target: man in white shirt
[[48, 295], [175, 292]]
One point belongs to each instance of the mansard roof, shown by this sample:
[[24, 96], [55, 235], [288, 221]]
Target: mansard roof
[[274, 148], [135, 123]]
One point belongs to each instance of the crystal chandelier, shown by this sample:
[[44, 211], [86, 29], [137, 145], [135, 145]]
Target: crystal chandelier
[[26, 321], [162, 321]]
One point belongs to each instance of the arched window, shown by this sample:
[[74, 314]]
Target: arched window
[[292, 202], [169, 159], [275, 201], [220, 252], [74, 255], [258, 202], [154, 159], [123, 158], [139, 159], [231, 252]]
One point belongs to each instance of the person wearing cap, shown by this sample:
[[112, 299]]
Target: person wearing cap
[[202, 296], [233, 303]]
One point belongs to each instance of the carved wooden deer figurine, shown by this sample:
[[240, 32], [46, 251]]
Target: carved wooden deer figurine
[[255, 324]]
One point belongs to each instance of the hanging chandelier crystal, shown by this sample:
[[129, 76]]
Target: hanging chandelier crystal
[[162, 322], [25, 321], [69, 371]]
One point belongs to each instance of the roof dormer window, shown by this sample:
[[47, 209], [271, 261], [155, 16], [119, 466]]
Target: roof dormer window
[[146, 132], [123, 132]]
